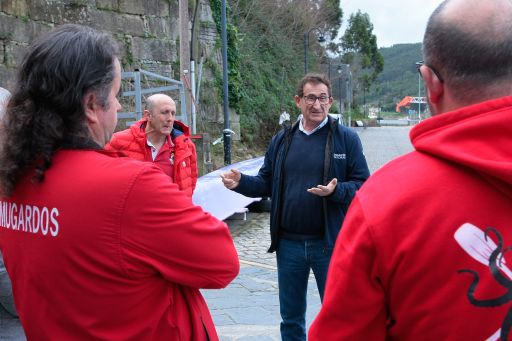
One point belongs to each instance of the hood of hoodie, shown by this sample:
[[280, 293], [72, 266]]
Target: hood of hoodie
[[478, 137]]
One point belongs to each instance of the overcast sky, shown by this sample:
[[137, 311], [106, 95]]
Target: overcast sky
[[394, 21]]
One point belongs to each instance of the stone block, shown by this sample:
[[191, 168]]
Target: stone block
[[162, 27], [80, 2], [6, 26], [156, 67], [208, 37], [117, 23], [20, 30], [7, 77], [41, 10], [14, 53], [154, 49], [59, 12], [205, 11], [125, 45], [112, 5], [131, 7], [148, 7], [17, 8], [174, 8]]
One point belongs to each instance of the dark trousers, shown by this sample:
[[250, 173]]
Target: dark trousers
[[295, 259]]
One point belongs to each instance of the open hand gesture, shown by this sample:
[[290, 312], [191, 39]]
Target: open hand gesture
[[324, 191]]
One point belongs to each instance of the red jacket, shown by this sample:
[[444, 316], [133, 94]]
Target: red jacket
[[182, 167], [419, 254], [96, 252]]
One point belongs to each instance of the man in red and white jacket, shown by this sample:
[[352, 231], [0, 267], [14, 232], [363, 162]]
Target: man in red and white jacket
[[94, 248], [424, 253], [159, 138]]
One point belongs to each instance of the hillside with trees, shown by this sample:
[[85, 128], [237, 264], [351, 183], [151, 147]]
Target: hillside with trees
[[266, 55], [399, 78]]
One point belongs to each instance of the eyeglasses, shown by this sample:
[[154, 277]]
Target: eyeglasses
[[311, 99], [421, 63]]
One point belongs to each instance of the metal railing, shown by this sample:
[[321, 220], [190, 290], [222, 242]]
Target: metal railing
[[138, 92]]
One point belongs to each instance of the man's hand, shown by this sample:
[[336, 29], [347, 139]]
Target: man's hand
[[231, 179], [324, 191]]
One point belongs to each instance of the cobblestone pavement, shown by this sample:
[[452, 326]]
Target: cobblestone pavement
[[248, 309]]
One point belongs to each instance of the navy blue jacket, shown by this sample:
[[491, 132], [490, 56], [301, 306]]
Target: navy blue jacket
[[344, 160]]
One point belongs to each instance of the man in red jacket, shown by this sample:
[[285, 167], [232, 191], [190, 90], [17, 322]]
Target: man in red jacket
[[424, 253], [94, 247], [158, 137]]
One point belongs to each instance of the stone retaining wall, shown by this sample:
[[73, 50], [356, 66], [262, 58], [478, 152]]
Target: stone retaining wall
[[147, 30]]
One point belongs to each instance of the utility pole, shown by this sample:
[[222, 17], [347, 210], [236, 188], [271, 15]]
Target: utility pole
[[185, 51], [227, 131], [193, 124]]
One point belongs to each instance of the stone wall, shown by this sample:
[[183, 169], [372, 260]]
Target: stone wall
[[148, 33], [147, 30]]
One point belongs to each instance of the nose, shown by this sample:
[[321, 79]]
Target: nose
[[317, 104]]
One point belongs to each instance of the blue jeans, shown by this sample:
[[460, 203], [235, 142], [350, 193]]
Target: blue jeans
[[294, 261]]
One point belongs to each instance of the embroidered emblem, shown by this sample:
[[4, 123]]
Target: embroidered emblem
[[479, 245], [183, 164], [340, 156]]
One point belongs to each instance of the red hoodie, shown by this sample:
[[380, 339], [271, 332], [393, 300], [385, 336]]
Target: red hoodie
[[419, 253], [97, 252]]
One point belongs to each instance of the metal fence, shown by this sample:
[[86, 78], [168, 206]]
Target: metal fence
[[133, 93]]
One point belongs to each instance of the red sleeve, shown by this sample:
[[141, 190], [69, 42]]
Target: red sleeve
[[193, 165], [112, 145], [118, 141], [354, 303], [163, 232]]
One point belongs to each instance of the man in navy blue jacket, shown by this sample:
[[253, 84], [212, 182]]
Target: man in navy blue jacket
[[311, 171]]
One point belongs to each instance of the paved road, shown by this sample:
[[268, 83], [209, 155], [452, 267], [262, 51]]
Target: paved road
[[248, 309]]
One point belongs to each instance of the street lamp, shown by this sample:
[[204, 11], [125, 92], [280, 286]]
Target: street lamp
[[349, 94], [321, 39], [344, 73], [340, 70]]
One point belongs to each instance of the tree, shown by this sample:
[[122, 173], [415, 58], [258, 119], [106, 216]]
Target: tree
[[271, 51], [359, 49]]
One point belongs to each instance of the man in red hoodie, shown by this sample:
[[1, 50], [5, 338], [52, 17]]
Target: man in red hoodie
[[159, 138], [422, 254], [94, 248]]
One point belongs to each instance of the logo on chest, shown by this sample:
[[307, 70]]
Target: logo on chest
[[339, 156]]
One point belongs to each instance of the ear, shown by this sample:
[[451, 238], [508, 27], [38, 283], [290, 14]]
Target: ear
[[434, 86], [297, 100], [90, 107], [146, 113]]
